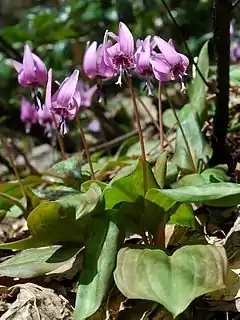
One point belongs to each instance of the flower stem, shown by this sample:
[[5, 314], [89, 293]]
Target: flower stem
[[14, 168], [85, 144], [59, 138], [182, 131], [12, 200], [133, 97], [161, 133]]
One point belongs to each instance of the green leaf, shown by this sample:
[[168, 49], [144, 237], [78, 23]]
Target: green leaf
[[197, 89], [223, 194], [175, 212], [173, 281], [13, 189], [199, 148], [235, 74], [35, 262], [212, 175], [169, 119], [160, 169], [128, 185], [55, 192], [27, 243], [172, 172], [69, 168], [99, 263]]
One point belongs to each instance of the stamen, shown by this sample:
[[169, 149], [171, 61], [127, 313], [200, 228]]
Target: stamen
[[119, 81]]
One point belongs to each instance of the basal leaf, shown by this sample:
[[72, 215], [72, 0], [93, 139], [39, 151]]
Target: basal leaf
[[173, 281], [214, 194], [99, 262], [160, 169], [128, 185], [34, 262]]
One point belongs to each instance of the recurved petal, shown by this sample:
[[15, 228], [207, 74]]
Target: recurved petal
[[126, 41], [28, 64], [168, 51], [67, 89], [17, 65], [48, 95], [40, 69], [185, 60], [161, 69], [89, 60]]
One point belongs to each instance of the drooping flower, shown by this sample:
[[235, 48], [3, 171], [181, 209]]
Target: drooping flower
[[46, 120], [28, 114], [32, 72], [120, 56], [142, 58], [86, 93], [94, 126], [169, 64], [65, 102], [94, 65]]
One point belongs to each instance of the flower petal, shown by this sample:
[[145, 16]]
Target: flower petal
[[168, 51], [66, 91], [28, 65], [90, 60], [40, 69], [126, 41], [48, 95], [17, 65]]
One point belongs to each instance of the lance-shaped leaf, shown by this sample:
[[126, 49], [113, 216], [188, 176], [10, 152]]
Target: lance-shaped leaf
[[173, 281], [99, 262]]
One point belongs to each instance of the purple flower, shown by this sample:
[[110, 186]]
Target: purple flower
[[66, 100], [86, 93], [120, 56], [45, 119], [28, 114], [93, 61], [32, 72], [94, 126], [142, 58], [169, 64]]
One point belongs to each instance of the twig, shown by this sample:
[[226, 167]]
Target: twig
[[186, 45]]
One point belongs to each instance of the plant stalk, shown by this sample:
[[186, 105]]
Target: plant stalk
[[14, 168], [160, 111], [85, 144], [140, 134], [59, 138]]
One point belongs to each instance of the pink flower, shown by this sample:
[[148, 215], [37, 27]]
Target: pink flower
[[28, 114], [142, 58], [46, 120], [93, 61], [32, 72], [66, 100], [120, 56], [169, 64], [86, 94]]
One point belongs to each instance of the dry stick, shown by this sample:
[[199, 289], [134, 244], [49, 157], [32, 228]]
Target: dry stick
[[85, 144], [59, 138], [154, 122], [140, 134], [161, 134], [182, 131], [14, 168]]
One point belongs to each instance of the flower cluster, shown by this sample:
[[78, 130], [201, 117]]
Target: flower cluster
[[150, 58]]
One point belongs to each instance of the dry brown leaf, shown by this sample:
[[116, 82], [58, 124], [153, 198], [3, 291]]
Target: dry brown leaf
[[37, 303]]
